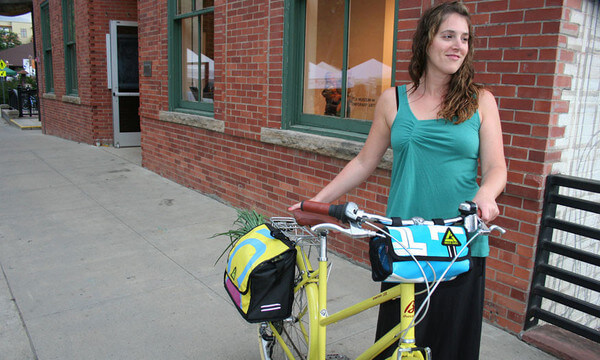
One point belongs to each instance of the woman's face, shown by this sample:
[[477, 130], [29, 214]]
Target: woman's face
[[449, 46]]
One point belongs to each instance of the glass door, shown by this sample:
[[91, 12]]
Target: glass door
[[124, 82]]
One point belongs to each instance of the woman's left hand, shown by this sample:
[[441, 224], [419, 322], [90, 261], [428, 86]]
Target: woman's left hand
[[487, 208]]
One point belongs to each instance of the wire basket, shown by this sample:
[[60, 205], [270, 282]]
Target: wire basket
[[301, 235]]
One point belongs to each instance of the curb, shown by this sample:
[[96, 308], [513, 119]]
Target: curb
[[17, 122]]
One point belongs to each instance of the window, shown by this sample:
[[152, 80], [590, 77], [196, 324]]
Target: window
[[191, 55], [47, 47], [341, 56], [24, 34], [70, 50]]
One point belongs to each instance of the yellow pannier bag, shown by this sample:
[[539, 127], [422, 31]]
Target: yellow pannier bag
[[259, 277]]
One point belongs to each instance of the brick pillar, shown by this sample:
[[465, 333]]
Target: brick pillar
[[520, 56]]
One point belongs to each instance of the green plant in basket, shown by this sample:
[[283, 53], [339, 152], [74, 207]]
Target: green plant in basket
[[246, 220]]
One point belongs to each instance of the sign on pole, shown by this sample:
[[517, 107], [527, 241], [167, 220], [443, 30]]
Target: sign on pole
[[2, 67]]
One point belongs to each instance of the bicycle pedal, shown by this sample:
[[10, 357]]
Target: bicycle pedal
[[336, 357]]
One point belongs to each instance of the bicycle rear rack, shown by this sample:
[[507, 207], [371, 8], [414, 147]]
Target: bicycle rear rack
[[295, 232]]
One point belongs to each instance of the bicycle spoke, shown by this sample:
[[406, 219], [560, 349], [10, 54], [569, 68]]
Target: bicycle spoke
[[293, 331]]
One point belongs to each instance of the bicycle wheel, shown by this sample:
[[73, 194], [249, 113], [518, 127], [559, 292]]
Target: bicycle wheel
[[294, 331]]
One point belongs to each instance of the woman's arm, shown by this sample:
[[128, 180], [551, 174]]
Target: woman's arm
[[367, 160], [491, 153]]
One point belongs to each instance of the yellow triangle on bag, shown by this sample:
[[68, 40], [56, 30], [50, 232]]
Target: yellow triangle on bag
[[450, 239]]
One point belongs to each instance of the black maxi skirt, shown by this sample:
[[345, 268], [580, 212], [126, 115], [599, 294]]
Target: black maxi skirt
[[452, 326]]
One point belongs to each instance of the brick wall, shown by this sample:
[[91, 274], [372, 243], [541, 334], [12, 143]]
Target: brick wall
[[88, 117], [152, 42], [524, 63]]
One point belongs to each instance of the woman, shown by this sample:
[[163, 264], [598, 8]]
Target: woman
[[439, 127]]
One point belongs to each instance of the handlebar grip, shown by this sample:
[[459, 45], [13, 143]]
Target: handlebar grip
[[336, 211], [315, 207], [339, 212], [306, 218]]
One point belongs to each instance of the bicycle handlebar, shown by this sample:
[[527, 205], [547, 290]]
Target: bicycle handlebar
[[351, 214]]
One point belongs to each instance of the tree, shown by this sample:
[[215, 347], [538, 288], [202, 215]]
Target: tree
[[8, 39]]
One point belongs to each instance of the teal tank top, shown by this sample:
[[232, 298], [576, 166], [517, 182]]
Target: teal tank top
[[435, 167]]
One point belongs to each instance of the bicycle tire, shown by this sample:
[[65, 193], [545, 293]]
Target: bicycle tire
[[294, 331]]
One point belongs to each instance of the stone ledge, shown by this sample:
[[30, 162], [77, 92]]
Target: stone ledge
[[8, 113], [71, 99], [199, 121], [323, 145], [561, 343], [51, 96]]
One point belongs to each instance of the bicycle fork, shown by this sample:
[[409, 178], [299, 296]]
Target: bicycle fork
[[407, 348]]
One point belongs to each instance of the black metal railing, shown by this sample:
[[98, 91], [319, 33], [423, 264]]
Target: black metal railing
[[546, 246], [24, 100], [13, 99]]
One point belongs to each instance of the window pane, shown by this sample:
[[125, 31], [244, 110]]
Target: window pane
[[201, 4], [323, 57], [369, 56], [198, 68], [72, 55], [70, 22], [186, 6], [370, 50], [189, 59], [127, 52], [129, 117], [207, 63]]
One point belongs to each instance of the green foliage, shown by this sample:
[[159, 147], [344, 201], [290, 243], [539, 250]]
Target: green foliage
[[246, 221], [6, 86], [8, 39], [9, 85]]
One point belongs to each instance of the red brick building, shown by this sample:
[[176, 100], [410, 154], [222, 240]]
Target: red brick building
[[231, 99]]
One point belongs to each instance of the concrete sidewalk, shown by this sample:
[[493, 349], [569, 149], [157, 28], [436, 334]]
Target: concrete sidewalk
[[102, 259]]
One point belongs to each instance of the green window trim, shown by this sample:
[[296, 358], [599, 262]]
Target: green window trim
[[176, 101], [293, 117], [47, 47], [69, 36]]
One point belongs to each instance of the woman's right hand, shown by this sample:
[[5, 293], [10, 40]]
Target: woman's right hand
[[294, 207]]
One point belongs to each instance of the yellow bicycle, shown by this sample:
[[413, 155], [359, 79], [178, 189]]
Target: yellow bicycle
[[303, 334]]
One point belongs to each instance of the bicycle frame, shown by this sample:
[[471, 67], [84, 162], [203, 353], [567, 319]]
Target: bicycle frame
[[315, 284]]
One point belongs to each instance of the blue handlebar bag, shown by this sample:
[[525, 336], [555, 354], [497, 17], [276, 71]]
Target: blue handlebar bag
[[433, 247]]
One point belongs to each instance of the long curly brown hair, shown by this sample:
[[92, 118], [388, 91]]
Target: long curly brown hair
[[460, 102]]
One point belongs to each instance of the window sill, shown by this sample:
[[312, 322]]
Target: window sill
[[323, 145], [71, 99], [198, 121], [51, 96]]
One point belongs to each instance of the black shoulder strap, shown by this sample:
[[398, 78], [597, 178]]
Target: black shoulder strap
[[438, 221], [279, 235], [396, 221], [397, 98]]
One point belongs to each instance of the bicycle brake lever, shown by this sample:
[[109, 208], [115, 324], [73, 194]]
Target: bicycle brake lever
[[353, 231], [485, 230], [497, 228]]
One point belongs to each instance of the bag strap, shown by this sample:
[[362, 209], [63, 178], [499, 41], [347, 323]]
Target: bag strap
[[279, 235], [438, 221]]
